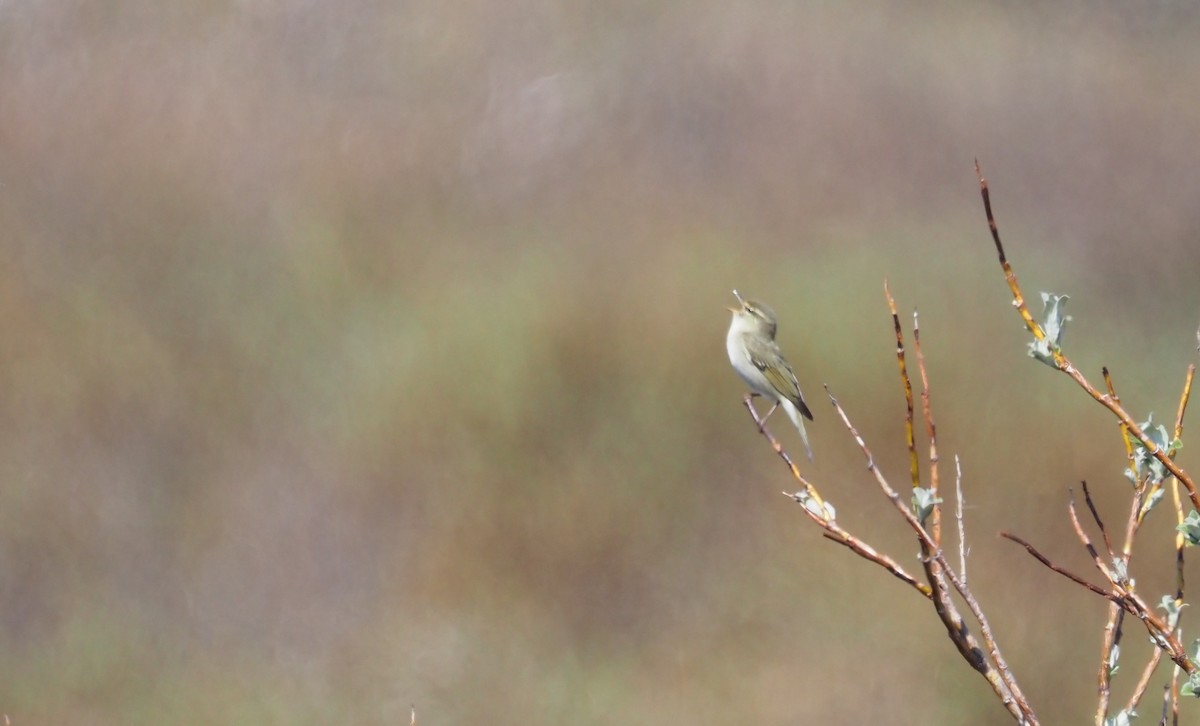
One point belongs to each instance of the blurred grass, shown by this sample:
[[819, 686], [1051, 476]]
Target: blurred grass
[[364, 357]]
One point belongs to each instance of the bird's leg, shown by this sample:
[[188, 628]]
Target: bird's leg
[[762, 423], [750, 402]]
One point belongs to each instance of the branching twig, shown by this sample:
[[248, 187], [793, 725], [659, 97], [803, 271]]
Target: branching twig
[[1160, 631], [995, 671], [818, 511], [1063, 364], [835, 533]]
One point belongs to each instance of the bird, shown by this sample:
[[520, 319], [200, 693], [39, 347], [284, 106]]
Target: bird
[[756, 357]]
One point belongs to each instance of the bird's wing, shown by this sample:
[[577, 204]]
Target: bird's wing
[[780, 375]]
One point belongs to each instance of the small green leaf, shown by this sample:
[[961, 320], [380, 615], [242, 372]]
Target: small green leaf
[[1147, 467], [1053, 324], [821, 510], [1155, 497], [1192, 687], [1173, 608], [923, 502], [1191, 528], [1124, 718]]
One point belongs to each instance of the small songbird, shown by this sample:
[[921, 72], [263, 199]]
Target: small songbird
[[757, 359]]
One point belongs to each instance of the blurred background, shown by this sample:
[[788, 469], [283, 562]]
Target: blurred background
[[366, 355]]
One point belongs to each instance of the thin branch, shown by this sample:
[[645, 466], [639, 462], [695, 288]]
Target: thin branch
[[1175, 696], [1112, 392], [1183, 399], [1087, 542], [815, 508], [1087, 497], [834, 533], [1172, 690], [892, 494], [1009, 276], [989, 639], [935, 516], [913, 462], [1113, 630], [1143, 683], [1115, 619], [1060, 570], [1180, 542], [958, 515]]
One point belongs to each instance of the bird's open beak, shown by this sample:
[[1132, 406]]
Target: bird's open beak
[[740, 302]]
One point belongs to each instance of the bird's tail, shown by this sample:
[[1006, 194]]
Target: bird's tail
[[794, 414]]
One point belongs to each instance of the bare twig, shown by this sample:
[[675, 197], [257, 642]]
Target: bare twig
[[1060, 570], [1143, 684], [913, 461], [1105, 568], [1087, 497], [1112, 392], [958, 515], [1112, 639], [1175, 696], [1183, 399], [835, 533], [935, 516], [1180, 542], [892, 494]]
